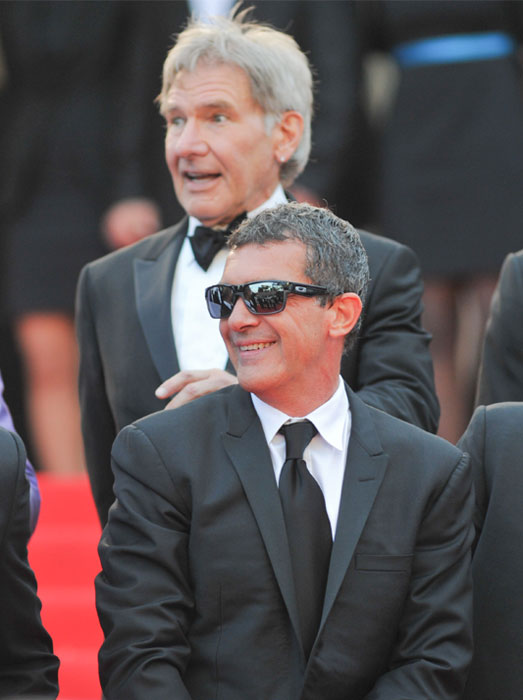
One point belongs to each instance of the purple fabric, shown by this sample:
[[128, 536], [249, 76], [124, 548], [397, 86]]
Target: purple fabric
[[34, 493]]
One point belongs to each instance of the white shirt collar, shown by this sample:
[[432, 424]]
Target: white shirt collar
[[277, 197], [328, 419]]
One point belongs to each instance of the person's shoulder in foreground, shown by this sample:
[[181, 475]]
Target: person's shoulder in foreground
[[28, 667], [204, 511], [494, 440], [501, 370]]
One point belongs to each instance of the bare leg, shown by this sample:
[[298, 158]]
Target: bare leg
[[50, 353], [473, 310], [440, 320]]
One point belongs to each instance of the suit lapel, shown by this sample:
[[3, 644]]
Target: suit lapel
[[364, 472], [152, 285], [246, 446]]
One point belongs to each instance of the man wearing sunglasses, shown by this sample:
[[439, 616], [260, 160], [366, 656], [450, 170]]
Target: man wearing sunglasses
[[281, 539], [237, 100]]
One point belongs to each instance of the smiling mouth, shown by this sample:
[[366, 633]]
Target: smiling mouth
[[254, 346]]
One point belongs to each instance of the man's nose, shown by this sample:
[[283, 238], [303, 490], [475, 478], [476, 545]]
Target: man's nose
[[190, 140], [241, 317]]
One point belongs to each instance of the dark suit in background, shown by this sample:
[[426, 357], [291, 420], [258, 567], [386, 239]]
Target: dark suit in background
[[125, 333], [27, 665], [501, 370], [495, 444], [212, 612]]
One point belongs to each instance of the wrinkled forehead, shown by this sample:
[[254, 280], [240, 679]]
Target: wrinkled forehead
[[204, 64]]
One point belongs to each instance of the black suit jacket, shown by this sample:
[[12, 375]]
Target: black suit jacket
[[27, 665], [495, 443], [127, 348], [501, 370], [196, 597]]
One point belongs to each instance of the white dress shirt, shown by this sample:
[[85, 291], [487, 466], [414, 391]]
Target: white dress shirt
[[326, 454], [197, 338]]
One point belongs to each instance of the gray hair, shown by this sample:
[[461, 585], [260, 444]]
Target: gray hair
[[278, 71], [335, 257]]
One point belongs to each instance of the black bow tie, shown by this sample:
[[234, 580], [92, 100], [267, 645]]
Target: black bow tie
[[206, 242]]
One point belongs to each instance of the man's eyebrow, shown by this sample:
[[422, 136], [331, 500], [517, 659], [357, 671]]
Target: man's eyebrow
[[203, 107], [220, 103], [223, 105]]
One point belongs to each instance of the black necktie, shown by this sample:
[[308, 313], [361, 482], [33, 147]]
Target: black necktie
[[206, 242], [308, 529]]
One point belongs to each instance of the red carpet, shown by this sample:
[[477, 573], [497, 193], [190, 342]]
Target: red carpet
[[63, 555]]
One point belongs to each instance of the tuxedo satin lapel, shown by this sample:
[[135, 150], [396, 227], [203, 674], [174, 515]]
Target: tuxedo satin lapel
[[364, 472], [152, 286], [246, 446]]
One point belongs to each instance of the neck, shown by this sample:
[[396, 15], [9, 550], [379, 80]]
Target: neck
[[303, 403]]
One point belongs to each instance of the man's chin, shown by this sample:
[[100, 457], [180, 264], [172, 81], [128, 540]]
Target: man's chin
[[204, 213], [207, 208], [254, 382], [246, 380]]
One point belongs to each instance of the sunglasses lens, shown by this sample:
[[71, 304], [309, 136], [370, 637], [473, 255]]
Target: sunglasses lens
[[218, 307], [264, 297], [259, 297]]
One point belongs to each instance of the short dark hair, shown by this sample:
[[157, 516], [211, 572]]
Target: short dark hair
[[335, 257]]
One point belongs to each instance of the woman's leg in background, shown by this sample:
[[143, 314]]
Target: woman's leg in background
[[439, 319], [473, 308], [456, 314], [49, 349]]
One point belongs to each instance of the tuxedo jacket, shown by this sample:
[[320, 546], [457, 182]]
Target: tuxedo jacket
[[494, 441], [501, 370], [127, 347], [27, 665], [196, 595]]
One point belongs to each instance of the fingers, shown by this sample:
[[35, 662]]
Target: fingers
[[191, 384], [192, 391], [178, 381]]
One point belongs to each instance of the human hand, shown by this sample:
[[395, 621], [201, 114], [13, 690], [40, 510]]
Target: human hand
[[130, 220], [191, 384]]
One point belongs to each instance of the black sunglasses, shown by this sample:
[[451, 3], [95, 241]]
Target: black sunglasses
[[265, 297]]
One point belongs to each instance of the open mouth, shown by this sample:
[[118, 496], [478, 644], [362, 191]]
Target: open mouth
[[201, 177], [255, 346]]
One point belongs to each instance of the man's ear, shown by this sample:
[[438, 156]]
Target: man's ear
[[287, 135], [346, 310]]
